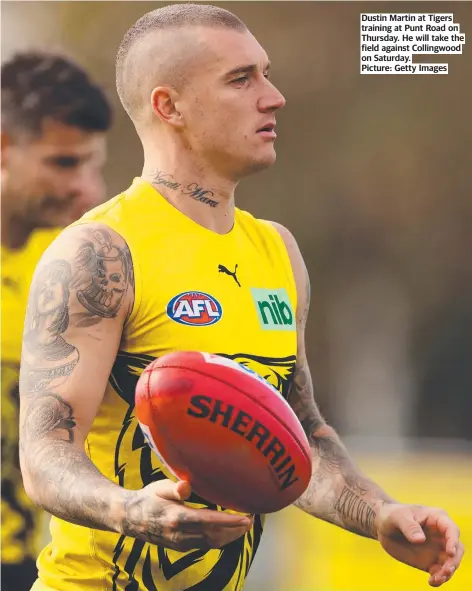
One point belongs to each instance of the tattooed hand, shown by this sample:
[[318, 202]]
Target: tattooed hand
[[156, 514]]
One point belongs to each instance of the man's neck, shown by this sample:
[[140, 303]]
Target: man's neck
[[207, 201]]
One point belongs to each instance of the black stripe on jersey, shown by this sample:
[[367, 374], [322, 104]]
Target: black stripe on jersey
[[257, 529], [249, 538], [148, 581], [119, 468], [221, 574], [125, 373], [130, 566], [118, 550], [171, 569]]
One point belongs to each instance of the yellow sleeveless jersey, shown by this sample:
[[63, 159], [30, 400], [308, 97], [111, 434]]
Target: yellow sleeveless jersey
[[19, 518], [232, 295]]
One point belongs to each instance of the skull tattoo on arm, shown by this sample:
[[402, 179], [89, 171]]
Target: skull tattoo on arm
[[103, 272]]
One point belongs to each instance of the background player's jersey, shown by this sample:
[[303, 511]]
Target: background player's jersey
[[230, 294], [19, 524]]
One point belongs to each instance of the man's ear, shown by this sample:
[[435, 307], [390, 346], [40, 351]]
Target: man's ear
[[163, 104]]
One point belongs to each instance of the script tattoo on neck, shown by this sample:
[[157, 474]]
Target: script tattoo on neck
[[193, 190]]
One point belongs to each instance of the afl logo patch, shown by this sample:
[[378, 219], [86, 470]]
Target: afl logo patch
[[194, 308]]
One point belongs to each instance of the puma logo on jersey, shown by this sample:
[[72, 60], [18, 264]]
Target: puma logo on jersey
[[194, 308], [223, 269]]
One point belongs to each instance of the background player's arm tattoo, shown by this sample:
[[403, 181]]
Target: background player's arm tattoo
[[338, 492], [68, 299]]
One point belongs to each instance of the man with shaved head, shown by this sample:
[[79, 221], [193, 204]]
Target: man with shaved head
[[171, 264]]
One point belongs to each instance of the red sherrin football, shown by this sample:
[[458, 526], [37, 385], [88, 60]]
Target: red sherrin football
[[218, 425]]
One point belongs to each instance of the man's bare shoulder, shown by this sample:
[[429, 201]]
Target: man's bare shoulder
[[289, 240]]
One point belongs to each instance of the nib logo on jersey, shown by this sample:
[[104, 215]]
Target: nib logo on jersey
[[274, 309], [194, 308]]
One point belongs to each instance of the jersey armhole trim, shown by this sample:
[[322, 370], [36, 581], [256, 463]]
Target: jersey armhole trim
[[284, 252]]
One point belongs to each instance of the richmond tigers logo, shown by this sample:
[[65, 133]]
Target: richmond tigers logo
[[277, 371], [142, 565]]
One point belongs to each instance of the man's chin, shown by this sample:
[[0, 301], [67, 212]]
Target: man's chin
[[261, 163]]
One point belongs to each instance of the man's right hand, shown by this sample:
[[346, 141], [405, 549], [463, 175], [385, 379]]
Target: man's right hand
[[157, 514]]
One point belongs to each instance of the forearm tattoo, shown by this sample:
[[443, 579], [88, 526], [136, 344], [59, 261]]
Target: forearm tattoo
[[356, 511], [338, 492]]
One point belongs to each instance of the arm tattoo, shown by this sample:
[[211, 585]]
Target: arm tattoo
[[64, 480], [46, 413], [352, 508], [69, 485], [72, 488], [338, 492], [47, 357], [138, 524], [102, 276]]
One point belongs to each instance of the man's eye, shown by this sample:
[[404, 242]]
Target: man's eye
[[66, 162], [241, 79]]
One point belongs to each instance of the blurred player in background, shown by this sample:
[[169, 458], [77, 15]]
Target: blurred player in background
[[54, 120], [195, 83]]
